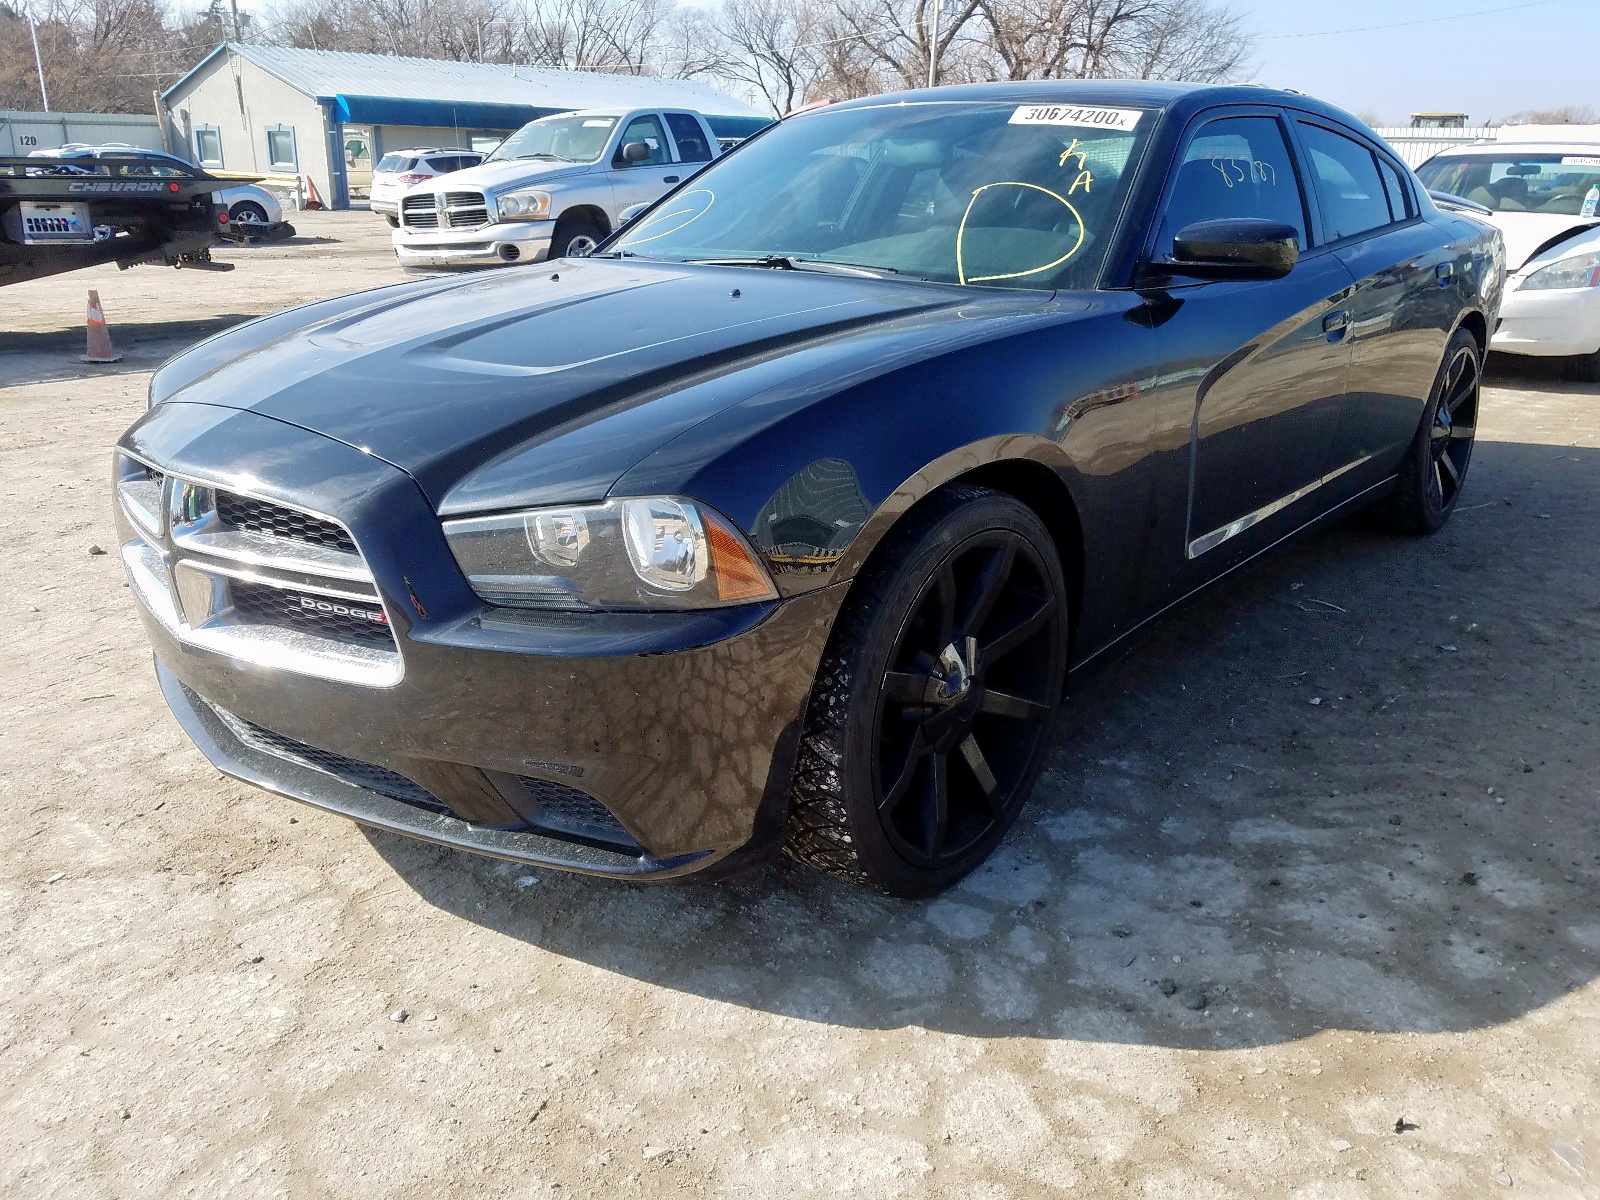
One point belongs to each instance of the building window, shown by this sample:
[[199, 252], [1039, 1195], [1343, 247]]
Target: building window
[[208, 145], [281, 149]]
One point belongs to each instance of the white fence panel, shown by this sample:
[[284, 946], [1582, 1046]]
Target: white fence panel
[[1416, 146]]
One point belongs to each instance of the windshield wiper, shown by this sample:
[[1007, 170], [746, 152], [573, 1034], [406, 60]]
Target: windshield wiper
[[551, 157], [786, 262]]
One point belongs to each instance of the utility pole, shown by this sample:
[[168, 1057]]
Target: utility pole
[[234, 5], [38, 61], [933, 47]]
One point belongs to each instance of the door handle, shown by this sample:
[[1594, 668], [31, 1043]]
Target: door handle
[[1444, 272], [1335, 323], [671, 179]]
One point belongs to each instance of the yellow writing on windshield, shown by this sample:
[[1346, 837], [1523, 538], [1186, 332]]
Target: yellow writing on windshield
[[961, 230]]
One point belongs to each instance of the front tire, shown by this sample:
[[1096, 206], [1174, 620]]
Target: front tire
[[935, 699], [394, 222], [1436, 464], [574, 237]]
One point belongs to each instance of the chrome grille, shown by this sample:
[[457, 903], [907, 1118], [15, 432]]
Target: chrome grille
[[464, 210], [255, 579], [274, 520], [419, 211], [345, 621]]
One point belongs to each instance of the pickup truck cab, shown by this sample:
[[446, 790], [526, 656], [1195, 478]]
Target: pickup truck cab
[[554, 188]]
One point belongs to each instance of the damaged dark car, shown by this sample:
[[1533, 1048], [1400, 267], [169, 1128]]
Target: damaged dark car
[[790, 516]]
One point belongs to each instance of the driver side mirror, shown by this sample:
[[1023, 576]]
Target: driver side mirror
[[631, 213], [635, 152], [1233, 248]]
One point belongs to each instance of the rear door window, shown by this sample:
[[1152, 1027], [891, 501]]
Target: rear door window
[[1350, 190], [691, 140]]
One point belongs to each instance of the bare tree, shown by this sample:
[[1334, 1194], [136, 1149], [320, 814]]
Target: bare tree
[[771, 47], [1565, 114], [1177, 39]]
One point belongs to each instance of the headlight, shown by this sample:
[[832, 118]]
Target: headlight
[[1580, 271], [624, 554], [524, 205]]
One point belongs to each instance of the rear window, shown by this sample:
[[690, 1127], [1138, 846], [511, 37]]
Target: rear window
[[396, 162]]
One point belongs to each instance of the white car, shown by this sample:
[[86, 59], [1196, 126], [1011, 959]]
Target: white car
[[400, 169], [246, 203], [1537, 194]]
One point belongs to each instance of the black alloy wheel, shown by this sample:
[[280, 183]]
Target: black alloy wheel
[[1431, 475], [1455, 421], [936, 698]]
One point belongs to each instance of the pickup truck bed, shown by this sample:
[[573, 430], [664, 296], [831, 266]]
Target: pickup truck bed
[[62, 214]]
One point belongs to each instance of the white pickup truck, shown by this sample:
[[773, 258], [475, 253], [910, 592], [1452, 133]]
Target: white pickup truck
[[556, 187]]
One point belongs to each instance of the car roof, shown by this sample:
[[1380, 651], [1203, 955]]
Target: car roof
[[1139, 93]]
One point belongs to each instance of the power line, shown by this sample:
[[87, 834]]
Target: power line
[[1482, 12]]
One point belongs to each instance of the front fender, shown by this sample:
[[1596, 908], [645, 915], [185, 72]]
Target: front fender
[[816, 482]]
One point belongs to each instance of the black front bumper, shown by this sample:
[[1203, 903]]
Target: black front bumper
[[680, 728]]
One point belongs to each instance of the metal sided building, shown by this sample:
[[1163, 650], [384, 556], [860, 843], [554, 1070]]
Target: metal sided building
[[330, 114]]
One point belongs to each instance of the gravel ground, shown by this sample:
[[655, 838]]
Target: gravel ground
[[1304, 907]]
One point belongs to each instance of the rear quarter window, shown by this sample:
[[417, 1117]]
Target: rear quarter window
[[396, 163]]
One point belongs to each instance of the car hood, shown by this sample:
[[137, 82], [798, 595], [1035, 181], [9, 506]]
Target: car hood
[[495, 176], [442, 378], [1527, 234]]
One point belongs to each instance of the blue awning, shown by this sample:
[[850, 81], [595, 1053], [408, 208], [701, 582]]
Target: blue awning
[[447, 114]]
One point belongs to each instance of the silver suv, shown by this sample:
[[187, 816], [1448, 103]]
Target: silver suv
[[402, 169]]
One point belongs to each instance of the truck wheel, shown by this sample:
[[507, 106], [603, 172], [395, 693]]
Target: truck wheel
[[574, 237], [394, 222]]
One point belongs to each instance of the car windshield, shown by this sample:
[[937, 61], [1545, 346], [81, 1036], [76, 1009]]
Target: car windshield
[[1506, 181], [558, 139], [990, 194]]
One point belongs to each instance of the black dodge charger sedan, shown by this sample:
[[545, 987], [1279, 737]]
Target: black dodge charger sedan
[[790, 515]]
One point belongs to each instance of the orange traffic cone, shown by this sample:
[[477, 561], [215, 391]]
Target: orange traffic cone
[[313, 201], [100, 349]]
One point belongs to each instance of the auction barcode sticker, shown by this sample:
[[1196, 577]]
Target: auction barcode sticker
[[1580, 160], [1073, 114]]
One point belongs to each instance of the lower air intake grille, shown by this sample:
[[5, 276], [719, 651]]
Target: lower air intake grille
[[565, 809], [360, 621], [350, 770], [274, 520]]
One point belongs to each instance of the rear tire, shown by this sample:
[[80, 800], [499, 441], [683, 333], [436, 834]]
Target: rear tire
[[574, 237], [935, 699], [248, 213], [1435, 466]]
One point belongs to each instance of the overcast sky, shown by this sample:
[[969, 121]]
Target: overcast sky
[[1506, 56]]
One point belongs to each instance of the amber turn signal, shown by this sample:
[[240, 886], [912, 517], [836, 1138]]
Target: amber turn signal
[[737, 573]]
